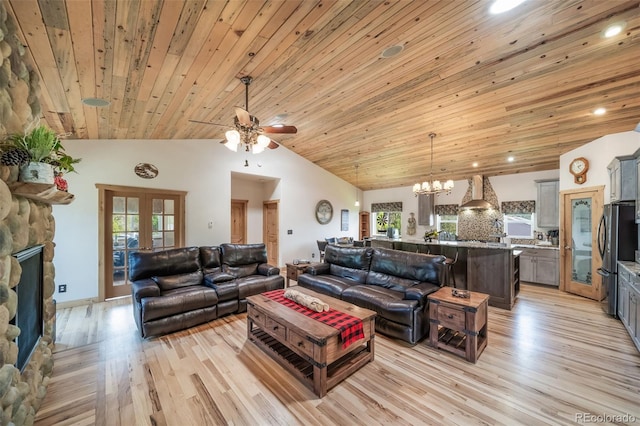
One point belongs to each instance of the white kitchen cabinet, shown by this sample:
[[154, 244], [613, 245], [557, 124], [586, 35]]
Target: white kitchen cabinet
[[548, 203], [622, 179], [540, 266]]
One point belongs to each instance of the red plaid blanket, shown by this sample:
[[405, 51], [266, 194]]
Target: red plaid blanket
[[350, 327]]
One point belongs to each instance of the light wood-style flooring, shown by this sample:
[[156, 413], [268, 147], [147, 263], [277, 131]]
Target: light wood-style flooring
[[554, 359]]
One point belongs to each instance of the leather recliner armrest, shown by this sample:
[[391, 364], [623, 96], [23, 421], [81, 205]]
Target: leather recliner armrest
[[318, 268], [420, 292], [267, 270], [144, 288]]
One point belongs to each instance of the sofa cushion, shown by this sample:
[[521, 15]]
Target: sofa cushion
[[387, 303], [398, 270], [210, 259], [147, 264], [243, 254], [171, 282], [248, 286], [330, 285], [348, 262], [241, 271], [177, 301]]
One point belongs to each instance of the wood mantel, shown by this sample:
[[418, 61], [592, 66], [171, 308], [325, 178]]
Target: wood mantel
[[42, 192]]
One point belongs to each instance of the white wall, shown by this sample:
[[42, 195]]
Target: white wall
[[599, 152], [203, 168], [516, 187]]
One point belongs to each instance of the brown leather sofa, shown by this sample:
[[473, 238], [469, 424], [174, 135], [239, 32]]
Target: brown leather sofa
[[180, 288], [393, 283]]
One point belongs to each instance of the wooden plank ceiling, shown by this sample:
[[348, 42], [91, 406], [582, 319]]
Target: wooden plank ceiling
[[523, 83]]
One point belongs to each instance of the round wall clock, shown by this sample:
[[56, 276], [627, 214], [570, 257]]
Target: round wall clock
[[146, 170], [324, 212], [578, 168]]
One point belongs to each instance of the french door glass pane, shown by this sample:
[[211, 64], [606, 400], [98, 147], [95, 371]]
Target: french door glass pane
[[125, 224], [156, 222], [168, 207], [168, 223], [118, 204], [157, 206], [581, 224]]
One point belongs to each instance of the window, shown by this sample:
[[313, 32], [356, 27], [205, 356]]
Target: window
[[448, 223], [386, 220], [387, 215], [519, 225]]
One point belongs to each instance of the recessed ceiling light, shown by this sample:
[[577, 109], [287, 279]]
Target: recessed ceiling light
[[474, 165], [392, 51], [599, 111], [510, 159], [613, 29], [278, 125], [501, 6], [96, 102]]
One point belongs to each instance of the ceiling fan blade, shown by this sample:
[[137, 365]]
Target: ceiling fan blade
[[243, 117], [273, 144], [208, 122], [280, 129]]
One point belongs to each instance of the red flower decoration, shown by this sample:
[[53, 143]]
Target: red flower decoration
[[61, 183]]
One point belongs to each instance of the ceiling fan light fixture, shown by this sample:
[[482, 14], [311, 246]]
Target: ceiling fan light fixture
[[263, 141], [257, 149]]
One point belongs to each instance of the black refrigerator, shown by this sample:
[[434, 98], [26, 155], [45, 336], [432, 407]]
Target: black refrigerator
[[617, 240]]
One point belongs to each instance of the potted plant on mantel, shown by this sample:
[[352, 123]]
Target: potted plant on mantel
[[40, 156]]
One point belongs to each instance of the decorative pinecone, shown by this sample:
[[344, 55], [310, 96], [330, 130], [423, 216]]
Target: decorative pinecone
[[14, 157]]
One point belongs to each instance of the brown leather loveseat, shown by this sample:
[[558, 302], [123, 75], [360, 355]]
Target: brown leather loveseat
[[395, 284], [180, 288]]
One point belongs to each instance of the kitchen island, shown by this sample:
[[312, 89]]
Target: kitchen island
[[490, 268]]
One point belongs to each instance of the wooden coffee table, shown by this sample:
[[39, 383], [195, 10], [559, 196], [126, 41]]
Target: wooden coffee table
[[310, 350]]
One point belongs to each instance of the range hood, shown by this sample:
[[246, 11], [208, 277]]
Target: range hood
[[477, 195]]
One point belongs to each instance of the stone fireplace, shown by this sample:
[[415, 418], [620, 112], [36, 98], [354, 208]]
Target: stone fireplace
[[25, 222]]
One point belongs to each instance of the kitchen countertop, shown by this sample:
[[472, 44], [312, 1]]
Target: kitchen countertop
[[631, 266], [470, 244]]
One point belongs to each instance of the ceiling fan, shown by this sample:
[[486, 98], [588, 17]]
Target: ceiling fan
[[247, 130]]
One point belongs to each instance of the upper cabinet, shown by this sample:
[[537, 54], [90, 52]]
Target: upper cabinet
[[548, 203], [622, 179]]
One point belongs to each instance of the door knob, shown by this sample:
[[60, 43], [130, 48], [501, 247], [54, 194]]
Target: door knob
[[567, 247]]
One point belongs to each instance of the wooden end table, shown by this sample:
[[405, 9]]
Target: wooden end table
[[293, 270], [458, 325]]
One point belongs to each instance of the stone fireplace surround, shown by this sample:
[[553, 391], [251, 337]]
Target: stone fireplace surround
[[24, 223]]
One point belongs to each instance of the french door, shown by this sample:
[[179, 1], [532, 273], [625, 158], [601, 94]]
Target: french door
[[580, 211], [135, 219]]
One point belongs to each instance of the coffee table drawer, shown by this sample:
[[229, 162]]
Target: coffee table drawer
[[451, 318], [258, 318], [274, 328], [300, 343]]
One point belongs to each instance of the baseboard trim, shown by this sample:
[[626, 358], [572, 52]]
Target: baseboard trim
[[74, 303]]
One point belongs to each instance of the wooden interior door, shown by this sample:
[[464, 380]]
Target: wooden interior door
[[135, 219], [239, 221], [271, 226], [580, 211]]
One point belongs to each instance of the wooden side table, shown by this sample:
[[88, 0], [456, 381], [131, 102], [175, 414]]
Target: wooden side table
[[458, 325], [294, 270]]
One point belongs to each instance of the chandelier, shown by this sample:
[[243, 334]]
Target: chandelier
[[432, 186], [247, 135]]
